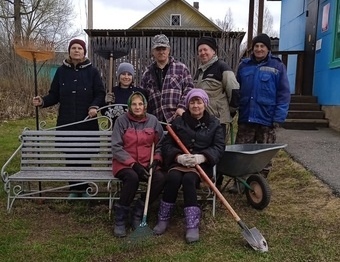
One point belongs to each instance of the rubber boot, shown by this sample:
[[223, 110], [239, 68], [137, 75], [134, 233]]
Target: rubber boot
[[192, 218], [121, 214], [137, 213], [164, 214]]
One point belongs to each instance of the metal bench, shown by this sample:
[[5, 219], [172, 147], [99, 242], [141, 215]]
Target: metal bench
[[50, 159]]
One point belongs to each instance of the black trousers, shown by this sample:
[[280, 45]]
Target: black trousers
[[174, 180], [131, 183]]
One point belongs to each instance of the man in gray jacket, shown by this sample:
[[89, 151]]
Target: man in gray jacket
[[218, 80]]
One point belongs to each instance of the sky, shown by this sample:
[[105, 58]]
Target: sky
[[121, 14]]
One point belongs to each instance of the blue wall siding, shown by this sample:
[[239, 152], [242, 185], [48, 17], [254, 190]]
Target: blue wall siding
[[326, 79], [292, 33], [292, 37]]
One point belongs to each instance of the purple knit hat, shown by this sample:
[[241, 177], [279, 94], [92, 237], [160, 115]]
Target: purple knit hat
[[197, 92]]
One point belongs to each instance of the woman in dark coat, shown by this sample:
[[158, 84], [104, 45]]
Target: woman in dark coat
[[203, 136], [78, 89]]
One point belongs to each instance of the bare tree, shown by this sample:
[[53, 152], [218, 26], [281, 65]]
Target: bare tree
[[227, 24], [39, 19], [268, 22], [36, 21], [226, 48]]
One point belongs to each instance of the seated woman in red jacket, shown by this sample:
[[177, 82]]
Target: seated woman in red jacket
[[132, 137], [203, 136]]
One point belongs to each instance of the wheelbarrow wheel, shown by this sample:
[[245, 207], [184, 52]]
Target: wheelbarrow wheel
[[259, 194]]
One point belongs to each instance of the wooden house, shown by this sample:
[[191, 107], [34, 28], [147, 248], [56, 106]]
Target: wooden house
[[181, 22]]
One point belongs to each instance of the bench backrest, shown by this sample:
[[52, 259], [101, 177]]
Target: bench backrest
[[66, 150]]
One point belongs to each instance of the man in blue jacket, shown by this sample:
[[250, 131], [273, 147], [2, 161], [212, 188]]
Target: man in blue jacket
[[264, 94]]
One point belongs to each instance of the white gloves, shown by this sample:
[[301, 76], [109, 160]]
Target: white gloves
[[189, 160], [110, 98], [199, 158]]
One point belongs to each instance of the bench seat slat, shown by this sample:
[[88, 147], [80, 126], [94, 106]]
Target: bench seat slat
[[66, 168], [67, 144], [63, 176], [66, 150], [38, 155], [65, 133], [64, 161]]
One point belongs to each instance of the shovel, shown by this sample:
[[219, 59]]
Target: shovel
[[253, 235]]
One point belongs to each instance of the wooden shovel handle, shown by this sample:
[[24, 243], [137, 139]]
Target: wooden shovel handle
[[149, 182]]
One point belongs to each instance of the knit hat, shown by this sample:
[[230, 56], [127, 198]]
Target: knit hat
[[77, 41], [207, 40], [125, 67], [261, 38], [197, 92], [160, 41]]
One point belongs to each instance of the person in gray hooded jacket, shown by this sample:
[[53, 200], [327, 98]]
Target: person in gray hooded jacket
[[217, 78]]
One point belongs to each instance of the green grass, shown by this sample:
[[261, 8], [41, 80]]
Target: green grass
[[301, 223]]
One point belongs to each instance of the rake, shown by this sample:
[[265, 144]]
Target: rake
[[143, 230]]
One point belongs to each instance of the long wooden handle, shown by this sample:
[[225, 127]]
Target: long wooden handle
[[204, 175], [110, 73], [149, 183]]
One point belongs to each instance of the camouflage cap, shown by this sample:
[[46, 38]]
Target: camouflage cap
[[160, 41]]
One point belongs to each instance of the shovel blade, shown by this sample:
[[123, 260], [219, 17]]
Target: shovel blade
[[255, 239]]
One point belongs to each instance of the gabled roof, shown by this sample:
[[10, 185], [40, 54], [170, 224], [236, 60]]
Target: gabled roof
[[196, 21]]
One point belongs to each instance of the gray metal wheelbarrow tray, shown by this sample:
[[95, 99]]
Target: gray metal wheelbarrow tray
[[245, 159], [243, 163]]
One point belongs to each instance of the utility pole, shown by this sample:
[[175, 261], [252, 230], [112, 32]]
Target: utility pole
[[260, 17], [89, 26]]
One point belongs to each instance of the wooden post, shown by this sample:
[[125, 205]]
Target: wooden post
[[250, 25]]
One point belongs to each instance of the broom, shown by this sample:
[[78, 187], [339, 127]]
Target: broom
[[143, 230]]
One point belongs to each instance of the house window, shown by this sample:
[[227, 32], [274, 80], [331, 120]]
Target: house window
[[337, 35], [175, 20]]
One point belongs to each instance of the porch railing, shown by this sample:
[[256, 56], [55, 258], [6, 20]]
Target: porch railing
[[298, 62]]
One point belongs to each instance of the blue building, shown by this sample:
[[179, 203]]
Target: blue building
[[313, 26]]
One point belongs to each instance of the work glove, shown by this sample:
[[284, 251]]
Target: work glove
[[199, 158], [154, 164], [187, 160], [142, 173], [110, 98]]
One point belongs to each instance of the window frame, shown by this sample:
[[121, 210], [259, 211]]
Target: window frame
[[179, 19]]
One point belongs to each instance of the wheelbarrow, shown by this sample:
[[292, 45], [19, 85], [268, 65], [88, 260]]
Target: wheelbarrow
[[243, 164]]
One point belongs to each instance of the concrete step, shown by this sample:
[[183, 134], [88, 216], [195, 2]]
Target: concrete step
[[303, 99], [302, 114], [304, 106], [305, 124]]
